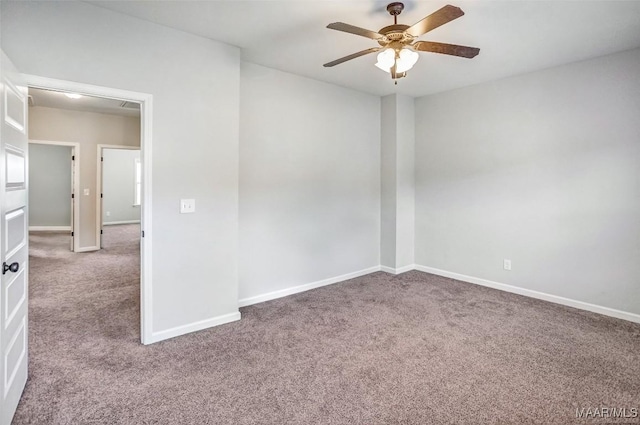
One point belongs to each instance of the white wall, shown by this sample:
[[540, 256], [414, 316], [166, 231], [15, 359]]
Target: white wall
[[49, 185], [195, 86], [119, 186], [309, 181], [88, 129], [397, 188], [388, 185], [542, 169]]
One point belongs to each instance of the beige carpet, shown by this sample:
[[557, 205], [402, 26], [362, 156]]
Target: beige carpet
[[409, 349]]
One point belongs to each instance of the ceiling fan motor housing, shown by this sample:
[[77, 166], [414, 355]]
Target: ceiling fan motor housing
[[395, 8], [395, 32]]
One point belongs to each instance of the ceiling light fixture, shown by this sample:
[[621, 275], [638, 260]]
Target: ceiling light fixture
[[398, 43], [73, 95], [403, 59]]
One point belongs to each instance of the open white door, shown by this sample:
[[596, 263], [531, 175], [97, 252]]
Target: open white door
[[14, 240], [73, 198]]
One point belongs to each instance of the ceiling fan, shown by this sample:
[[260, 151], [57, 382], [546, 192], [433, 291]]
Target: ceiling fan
[[398, 46]]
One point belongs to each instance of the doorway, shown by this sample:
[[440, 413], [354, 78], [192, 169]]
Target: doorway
[[119, 182], [53, 181], [85, 190]]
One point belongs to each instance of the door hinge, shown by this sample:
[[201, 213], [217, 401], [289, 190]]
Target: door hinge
[[102, 158], [101, 195], [143, 233], [73, 157], [71, 233], [73, 196], [100, 231]]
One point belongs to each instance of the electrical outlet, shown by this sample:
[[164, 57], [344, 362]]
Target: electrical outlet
[[108, 213], [187, 206], [507, 264]]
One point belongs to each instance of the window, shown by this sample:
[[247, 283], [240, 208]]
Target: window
[[138, 182]]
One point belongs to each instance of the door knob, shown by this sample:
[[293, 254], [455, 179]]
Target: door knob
[[13, 267]]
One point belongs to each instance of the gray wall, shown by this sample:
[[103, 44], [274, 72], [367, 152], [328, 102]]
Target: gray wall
[[397, 188], [309, 181], [195, 84], [118, 186], [88, 129], [49, 185], [542, 169], [388, 184]]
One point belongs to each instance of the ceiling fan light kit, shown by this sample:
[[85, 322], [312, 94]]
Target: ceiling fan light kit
[[399, 48], [403, 59]]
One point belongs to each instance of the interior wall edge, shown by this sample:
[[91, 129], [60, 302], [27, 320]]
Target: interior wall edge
[[193, 327], [113, 223], [49, 228], [581, 305], [244, 302], [398, 270]]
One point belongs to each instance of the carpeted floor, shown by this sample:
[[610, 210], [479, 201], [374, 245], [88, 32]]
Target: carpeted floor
[[380, 349]]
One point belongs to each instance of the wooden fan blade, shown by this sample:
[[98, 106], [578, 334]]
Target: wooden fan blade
[[433, 21], [341, 26], [352, 56], [446, 49]]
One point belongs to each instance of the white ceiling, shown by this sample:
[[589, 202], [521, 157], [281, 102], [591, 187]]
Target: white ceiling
[[56, 99], [515, 37]]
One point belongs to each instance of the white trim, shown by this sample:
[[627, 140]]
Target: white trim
[[632, 317], [146, 122], [137, 197], [88, 249], [49, 228], [302, 288], [146, 317], [398, 270], [193, 327], [111, 223], [54, 142]]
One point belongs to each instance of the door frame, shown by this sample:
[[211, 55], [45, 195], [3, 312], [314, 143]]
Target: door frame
[[146, 125], [99, 179], [75, 148]]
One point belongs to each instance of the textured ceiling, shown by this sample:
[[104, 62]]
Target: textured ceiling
[[515, 37]]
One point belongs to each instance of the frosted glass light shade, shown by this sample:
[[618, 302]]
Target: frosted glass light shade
[[386, 59], [404, 61], [407, 58]]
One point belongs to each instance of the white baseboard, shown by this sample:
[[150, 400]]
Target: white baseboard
[[632, 317], [193, 327], [111, 223], [49, 228], [87, 249], [301, 288], [398, 270]]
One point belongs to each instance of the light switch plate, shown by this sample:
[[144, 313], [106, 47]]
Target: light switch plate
[[507, 264], [187, 206]]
